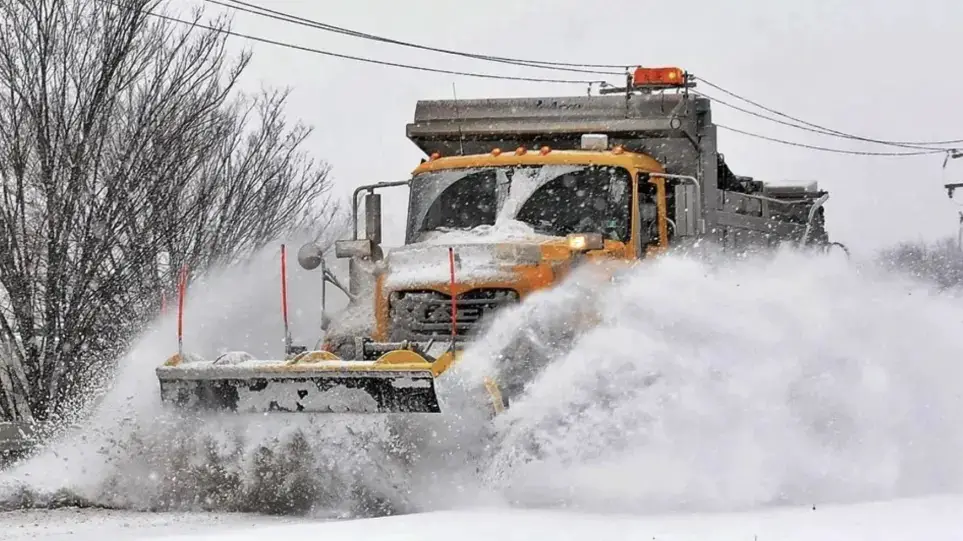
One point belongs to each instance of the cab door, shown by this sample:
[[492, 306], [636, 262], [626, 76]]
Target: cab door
[[651, 228]]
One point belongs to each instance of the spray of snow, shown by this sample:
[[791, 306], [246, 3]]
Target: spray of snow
[[793, 379], [133, 453], [682, 385]]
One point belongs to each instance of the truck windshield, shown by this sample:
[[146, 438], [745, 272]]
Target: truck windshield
[[551, 200]]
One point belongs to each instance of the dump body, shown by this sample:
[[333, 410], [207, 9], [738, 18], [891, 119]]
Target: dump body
[[512, 196], [673, 128]]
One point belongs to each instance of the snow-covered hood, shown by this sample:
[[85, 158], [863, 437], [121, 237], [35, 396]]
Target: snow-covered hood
[[482, 255]]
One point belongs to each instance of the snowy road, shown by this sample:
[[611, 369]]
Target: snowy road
[[929, 519], [99, 525]]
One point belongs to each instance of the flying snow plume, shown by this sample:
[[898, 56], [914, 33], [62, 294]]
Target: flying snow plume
[[681, 385], [790, 379], [133, 453]]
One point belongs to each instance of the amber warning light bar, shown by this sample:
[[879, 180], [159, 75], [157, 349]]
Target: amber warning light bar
[[660, 77], [649, 79]]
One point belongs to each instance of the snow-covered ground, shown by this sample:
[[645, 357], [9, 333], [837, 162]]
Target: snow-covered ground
[[708, 402], [923, 519], [109, 525], [917, 520]]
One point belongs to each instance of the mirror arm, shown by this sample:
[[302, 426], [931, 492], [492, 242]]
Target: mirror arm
[[369, 188], [329, 276], [700, 221]]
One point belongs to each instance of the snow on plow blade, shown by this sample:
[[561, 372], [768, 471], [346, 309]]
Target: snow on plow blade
[[400, 381]]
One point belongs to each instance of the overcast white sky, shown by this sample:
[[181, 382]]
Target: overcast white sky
[[885, 69]]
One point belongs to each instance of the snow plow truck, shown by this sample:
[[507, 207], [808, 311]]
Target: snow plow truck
[[511, 196]]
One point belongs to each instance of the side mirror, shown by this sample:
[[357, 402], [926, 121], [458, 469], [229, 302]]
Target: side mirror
[[310, 256], [372, 213]]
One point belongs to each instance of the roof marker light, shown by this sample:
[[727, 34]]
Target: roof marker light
[[595, 141], [659, 77]]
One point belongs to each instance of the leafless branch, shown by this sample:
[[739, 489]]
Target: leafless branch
[[124, 137]]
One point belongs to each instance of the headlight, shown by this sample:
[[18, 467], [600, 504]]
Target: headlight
[[584, 242]]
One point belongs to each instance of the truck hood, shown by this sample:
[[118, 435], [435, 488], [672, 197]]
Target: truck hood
[[427, 264]]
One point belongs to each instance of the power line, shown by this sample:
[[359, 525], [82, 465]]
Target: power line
[[493, 76], [282, 16], [374, 61], [806, 128], [829, 149], [574, 67], [908, 144], [818, 129]]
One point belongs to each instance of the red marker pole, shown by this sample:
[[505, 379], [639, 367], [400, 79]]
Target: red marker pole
[[454, 304], [181, 294], [284, 299]]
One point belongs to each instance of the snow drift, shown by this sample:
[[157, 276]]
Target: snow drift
[[684, 385]]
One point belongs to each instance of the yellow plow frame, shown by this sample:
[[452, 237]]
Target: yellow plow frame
[[401, 380]]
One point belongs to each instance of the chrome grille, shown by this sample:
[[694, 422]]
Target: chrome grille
[[423, 315]]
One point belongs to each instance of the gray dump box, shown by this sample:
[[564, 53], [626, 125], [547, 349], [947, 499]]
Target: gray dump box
[[673, 127]]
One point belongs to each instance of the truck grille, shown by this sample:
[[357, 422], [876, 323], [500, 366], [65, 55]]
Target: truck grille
[[425, 315]]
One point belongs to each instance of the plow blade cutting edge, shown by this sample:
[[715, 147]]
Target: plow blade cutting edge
[[313, 382]]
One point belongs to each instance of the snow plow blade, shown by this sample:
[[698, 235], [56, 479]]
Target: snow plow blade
[[400, 381]]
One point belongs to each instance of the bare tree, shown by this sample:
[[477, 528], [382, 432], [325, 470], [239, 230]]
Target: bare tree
[[940, 262], [123, 139]]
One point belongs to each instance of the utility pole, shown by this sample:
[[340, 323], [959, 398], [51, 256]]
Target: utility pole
[[953, 154], [959, 229], [959, 233]]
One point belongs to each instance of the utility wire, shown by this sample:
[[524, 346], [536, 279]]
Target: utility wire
[[279, 15], [371, 60], [807, 128], [818, 129], [829, 149], [493, 76], [578, 68], [910, 144]]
